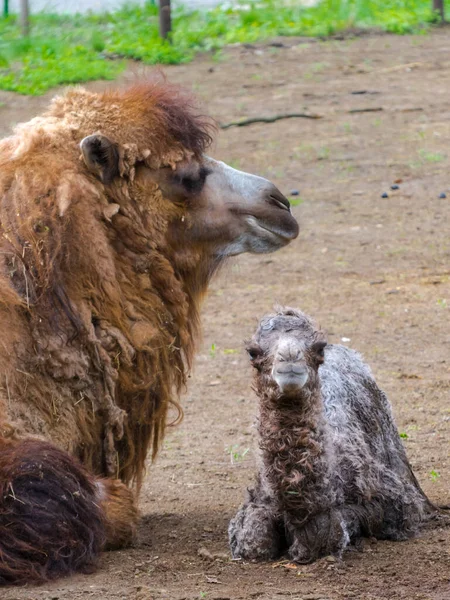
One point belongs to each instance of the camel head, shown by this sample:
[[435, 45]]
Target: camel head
[[226, 210], [120, 219], [287, 350], [203, 207]]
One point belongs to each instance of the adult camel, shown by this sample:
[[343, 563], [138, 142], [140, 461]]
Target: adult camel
[[112, 223]]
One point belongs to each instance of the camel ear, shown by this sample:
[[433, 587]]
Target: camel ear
[[101, 156], [318, 349]]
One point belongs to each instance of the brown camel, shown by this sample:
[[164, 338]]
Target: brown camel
[[112, 223]]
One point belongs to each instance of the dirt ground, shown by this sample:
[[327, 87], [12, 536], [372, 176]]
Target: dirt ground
[[373, 270]]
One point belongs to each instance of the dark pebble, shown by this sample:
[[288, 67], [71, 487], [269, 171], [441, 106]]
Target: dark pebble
[[395, 187], [295, 192], [443, 195], [384, 195]]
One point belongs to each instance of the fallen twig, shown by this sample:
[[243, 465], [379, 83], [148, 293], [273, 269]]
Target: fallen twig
[[362, 110], [413, 65], [252, 120]]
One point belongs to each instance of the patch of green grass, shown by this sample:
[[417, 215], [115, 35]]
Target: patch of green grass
[[431, 157], [403, 435], [295, 201], [434, 475], [323, 153], [236, 455], [72, 48]]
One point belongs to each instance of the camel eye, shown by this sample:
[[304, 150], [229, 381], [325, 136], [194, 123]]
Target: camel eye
[[192, 183], [189, 183]]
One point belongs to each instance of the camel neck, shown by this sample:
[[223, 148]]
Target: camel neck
[[293, 445]]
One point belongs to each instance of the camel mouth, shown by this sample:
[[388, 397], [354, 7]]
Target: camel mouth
[[273, 235], [290, 381]]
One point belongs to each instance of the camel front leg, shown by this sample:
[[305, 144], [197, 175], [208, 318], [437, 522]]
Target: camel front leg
[[323, 534], [255, 532], [120, 511]]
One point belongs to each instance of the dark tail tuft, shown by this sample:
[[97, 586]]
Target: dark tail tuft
[[51, 524]]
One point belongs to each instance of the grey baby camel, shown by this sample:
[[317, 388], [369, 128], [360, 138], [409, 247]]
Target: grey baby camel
[[333, 468]]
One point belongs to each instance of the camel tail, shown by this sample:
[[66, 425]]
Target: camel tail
[[55, 516]]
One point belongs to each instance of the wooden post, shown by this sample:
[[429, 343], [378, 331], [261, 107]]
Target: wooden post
[[438, 7], [25, 17], [165, 20]]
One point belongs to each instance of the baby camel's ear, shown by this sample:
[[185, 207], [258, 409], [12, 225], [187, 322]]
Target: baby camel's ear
[[101, 156], [318, 349], [255, 352]]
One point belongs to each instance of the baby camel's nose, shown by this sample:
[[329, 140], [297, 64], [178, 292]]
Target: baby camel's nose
[[289, 350], [289, 370]]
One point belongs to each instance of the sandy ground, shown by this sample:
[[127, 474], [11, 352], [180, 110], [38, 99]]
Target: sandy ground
[[371, 269]]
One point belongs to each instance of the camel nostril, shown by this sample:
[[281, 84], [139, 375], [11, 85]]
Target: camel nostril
[[276, 198]]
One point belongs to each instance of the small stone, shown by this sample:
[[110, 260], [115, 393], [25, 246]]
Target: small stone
[[295, 193], [395, 187], [443, 195], [205, 553], [384, 195], [213, 580], [221, 556]]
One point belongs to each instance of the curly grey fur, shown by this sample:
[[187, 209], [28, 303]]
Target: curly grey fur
[[333, 468]]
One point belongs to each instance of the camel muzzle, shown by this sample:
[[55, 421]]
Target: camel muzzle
[[290, 371]]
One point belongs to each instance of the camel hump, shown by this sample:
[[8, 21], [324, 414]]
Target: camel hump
[[51, 521]]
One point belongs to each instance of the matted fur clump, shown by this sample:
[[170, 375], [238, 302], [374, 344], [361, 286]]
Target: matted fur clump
[[332, 465], [51, 521]]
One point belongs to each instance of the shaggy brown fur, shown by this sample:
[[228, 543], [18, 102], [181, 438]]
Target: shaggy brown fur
[[105, 254], [51, 523], [97, 323], [96, 320]]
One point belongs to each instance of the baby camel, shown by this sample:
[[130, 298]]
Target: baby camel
[[333, 467]]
